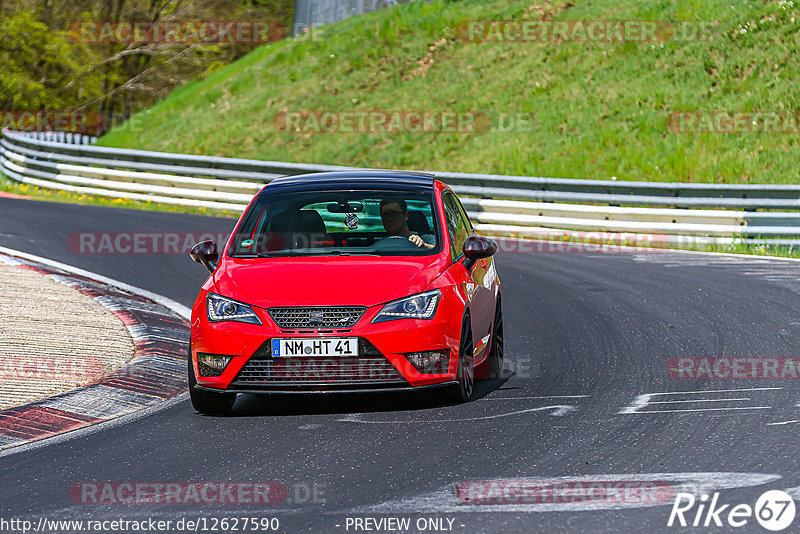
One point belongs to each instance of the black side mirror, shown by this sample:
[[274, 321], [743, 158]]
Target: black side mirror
[[476, 248], [205, 252]]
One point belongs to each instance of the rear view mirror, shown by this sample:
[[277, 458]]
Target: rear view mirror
[[346, 207], [476, 248], [205, 252]]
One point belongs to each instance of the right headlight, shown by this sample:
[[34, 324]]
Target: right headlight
[[421, 306], [222, 309]]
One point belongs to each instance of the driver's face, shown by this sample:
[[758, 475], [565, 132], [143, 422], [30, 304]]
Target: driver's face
[[394, 218]]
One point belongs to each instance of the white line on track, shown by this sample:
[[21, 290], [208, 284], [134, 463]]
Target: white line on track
[[543, 397], [176, 307], [707, 409], [698, 400], [712, 391], [641, 402], [98, 427], [794, 492], [558, 411]]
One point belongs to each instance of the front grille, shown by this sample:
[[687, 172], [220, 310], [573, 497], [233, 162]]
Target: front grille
[[371, 367], [316, 317]]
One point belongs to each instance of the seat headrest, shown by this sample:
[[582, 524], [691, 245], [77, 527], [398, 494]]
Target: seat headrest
[[417, 222], [307, 221]]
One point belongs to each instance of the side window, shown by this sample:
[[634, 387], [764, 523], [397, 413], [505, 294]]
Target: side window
[[456, 225], [470, 228]]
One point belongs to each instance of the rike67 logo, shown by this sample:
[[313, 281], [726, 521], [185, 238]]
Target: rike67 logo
[[774, 510]]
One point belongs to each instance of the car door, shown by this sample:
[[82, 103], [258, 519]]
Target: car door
[[479, 281]]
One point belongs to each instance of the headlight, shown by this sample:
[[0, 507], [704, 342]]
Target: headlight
[[225, 309], [422, 306]]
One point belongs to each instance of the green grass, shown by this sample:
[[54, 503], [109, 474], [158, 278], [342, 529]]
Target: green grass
[[755, 250], [598, 109]]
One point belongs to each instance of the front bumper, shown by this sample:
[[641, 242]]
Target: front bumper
[[326, 389], [380, 366]]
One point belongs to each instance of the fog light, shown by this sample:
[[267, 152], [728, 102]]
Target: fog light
[[212, 364], [431, 362]]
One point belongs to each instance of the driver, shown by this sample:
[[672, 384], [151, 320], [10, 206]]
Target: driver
[[394, 215]]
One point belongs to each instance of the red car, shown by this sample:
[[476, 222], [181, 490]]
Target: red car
[[346, 282]]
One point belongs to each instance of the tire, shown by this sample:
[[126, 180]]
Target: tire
[[462, 391], [208, 402], [496, 353]]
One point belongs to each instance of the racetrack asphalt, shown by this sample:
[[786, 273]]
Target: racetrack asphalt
[[588, 335]]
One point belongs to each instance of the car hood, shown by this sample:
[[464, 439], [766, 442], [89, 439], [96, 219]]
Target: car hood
[[361, 281]]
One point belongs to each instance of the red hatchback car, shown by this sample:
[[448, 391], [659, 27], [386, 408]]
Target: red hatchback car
[[356, 281]]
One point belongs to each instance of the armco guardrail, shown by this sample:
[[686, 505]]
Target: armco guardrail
[[520, 205]]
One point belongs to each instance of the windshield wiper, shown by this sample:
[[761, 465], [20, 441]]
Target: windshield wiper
[[291, 253], [329, 252], [321, 252]]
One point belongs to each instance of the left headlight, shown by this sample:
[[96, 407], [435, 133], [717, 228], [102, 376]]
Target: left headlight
[[422, 306], [224, 309]]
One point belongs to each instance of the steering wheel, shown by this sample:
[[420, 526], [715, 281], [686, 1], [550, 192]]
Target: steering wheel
[[394, 242]]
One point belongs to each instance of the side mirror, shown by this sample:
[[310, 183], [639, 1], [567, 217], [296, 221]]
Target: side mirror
[[476, 248], [205, 252]]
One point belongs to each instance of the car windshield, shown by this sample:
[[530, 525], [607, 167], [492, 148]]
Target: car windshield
[[338, 223]]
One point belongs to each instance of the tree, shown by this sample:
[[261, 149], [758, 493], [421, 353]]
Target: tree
[[50, 66]]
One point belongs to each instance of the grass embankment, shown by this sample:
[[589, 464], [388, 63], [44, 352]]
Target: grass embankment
[[597, 109]]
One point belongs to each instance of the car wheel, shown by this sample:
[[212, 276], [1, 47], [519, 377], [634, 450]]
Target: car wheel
[[465, 376], [496, 353], [207, 401]]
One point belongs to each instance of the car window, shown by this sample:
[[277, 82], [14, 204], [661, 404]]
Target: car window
[[463, 212], [333, 222], [457, 227]]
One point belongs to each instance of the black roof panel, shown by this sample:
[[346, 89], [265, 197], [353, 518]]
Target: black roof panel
[[377, 179]]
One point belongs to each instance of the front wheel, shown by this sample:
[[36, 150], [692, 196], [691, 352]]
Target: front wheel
[[465, 376], [208, 402]]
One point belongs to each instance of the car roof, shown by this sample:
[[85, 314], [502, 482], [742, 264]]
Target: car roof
[[377, 179]]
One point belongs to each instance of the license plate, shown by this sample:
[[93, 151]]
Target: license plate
[[311, 347]]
